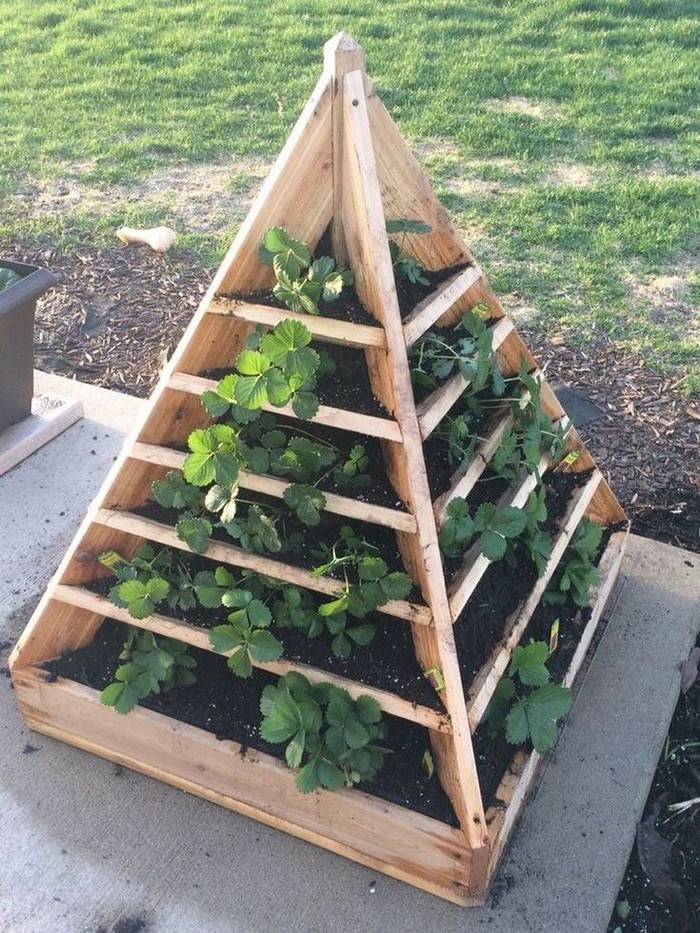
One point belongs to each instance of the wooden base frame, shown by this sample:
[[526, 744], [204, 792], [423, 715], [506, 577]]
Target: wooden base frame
[[344, 168], [398, 842]]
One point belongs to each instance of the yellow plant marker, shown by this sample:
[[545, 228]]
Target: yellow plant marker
[[554, 636], [571, 457], [111, 559], [434, 676]]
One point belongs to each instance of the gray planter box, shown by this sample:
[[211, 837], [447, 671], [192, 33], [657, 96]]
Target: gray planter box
[[17, 307]]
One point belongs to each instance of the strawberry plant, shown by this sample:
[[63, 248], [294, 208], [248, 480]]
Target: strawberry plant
[[534, 540], [406, 266], [302, 281], [153, 577], [330, 738], [373, 586], [8, 278], [440, 354], [531, 434], [577, 573], [492, 526], [525, 703], [151, 665]]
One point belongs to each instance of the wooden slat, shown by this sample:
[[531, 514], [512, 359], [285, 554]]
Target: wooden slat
[[297, 195], [341, 55], [334, 417], [475, 564], [198, 637], [374, 832], [433, 409], [368, 247], [274, 486], [425, 314], [513, 791], [609, 569], [503, 822], [146, 528], [329, 330], [406, 192], [57, 629], [493, 669], [462, 483]]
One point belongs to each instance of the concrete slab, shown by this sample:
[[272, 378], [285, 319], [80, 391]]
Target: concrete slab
[[90, 847]]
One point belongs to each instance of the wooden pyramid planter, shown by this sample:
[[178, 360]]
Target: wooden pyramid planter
[[345, 170]]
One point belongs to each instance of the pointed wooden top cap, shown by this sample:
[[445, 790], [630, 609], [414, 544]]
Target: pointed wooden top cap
[[342, 54]]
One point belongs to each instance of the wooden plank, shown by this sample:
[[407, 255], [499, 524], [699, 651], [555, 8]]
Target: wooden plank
[[297, 195], [609, 566], [475, 564], [133, 489], [60, 629], [199, 638], [405, 192], [374, 832], [492, 670], [173, 417], [341, 55], [274, 486], [506, 791], [368, 247], [433, 409], [435, 306], [462, 483], [218, 342], [502, 821], [605, 508], [609, 569], [147, 528], [333, 417], [51, 414], [329, 330]]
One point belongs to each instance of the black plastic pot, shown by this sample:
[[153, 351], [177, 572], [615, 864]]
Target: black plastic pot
[[17, 307]]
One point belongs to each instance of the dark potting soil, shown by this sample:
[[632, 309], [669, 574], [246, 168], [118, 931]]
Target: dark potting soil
[[440, 465], [494, 753], [500, 591], [388, 662], [299, 541], [348, 387], [662, 889], [348, 306], [229, 707]]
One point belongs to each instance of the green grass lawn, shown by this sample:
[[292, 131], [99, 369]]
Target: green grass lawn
[[563, 135]]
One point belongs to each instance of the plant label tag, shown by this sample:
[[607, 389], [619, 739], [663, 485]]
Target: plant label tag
[[554, 636], [482, 310], [435, 678], [571, 457], [111, 559]]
